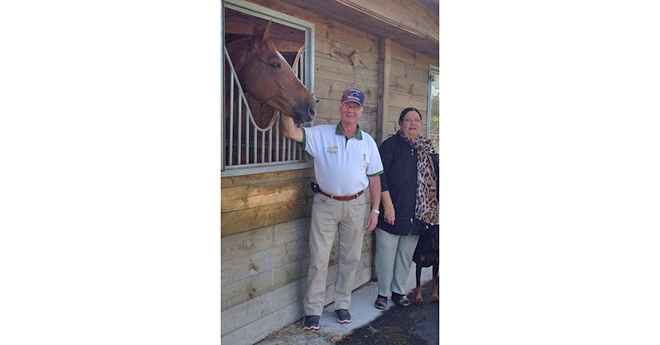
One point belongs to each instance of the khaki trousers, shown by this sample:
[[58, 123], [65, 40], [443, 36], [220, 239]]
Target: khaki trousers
[[394, 255], [330, 216]]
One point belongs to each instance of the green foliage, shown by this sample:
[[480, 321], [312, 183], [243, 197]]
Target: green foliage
[[435, 121]]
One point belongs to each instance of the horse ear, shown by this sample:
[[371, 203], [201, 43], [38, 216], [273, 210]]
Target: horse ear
[[261, 35]]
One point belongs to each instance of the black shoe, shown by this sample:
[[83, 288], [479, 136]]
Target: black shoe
[[312, 322], [400, 300], [381, 302], [343, 316]]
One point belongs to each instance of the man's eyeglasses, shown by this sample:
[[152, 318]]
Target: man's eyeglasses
[[351, 106]]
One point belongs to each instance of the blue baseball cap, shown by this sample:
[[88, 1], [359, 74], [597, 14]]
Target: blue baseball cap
[[353, 95]]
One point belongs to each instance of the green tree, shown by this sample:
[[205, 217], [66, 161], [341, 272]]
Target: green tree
[[435, 121]]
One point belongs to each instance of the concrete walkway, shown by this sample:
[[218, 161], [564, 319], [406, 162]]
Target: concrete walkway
[[362, 312]]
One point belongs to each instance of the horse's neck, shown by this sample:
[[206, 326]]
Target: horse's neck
[[237, 52]]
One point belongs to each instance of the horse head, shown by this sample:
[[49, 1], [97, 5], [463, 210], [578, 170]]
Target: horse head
[[267, 76]]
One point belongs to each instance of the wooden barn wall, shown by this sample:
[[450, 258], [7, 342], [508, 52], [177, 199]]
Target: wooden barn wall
[[408, 84], [265, 217]]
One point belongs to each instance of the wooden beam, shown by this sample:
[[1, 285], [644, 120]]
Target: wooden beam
[[245, 313], [423, 8], [384, 67], [250, 242], [277, 176], [239, 23], [257, 217], [396, 15], [243, 197], [244, 290], [286, 46], [244, 267]]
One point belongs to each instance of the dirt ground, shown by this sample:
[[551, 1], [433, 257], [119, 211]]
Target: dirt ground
[[418, 325]]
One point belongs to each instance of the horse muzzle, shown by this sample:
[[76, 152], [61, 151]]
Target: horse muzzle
[[304, 113]]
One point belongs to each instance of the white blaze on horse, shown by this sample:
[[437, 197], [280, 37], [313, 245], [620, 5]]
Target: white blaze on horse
[[266, 76]]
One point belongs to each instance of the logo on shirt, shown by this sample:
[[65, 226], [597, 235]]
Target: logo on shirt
[[331, 150]]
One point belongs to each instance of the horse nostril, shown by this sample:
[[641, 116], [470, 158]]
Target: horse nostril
[[310, 111]]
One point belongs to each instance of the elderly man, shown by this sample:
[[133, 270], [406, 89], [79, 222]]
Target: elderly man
[[346, 162]]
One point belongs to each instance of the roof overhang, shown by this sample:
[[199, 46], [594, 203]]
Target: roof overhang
[[414, 25]]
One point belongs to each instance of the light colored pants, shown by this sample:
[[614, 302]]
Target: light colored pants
[[330, 216], [393, 258]]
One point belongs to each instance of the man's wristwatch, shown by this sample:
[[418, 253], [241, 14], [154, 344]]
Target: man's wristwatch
[[375, 211]]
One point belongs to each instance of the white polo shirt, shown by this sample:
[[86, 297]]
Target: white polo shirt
[[342, 165]]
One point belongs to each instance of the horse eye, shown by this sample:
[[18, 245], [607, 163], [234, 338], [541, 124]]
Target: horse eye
[[275, 65]]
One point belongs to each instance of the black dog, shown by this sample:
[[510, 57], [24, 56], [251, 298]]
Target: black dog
[[427, 254]]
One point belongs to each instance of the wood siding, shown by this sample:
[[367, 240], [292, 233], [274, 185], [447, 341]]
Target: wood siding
[[265, 217], [408, 85], [264, 273], [250, 202]]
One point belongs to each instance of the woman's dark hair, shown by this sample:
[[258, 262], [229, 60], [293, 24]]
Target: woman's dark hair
[[405, 111]]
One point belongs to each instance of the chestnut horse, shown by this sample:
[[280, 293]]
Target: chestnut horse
[[266, 76]]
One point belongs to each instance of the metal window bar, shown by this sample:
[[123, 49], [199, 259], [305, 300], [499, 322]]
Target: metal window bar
[[284, 142], [240, 117], [231, 121], [270, 144], [239, 143], [254, 147], [277, 141], [247, 135], [299, 63]]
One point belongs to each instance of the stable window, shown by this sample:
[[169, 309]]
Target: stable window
[[251, 139]]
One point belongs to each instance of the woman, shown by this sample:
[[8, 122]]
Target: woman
[[409, 199]]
